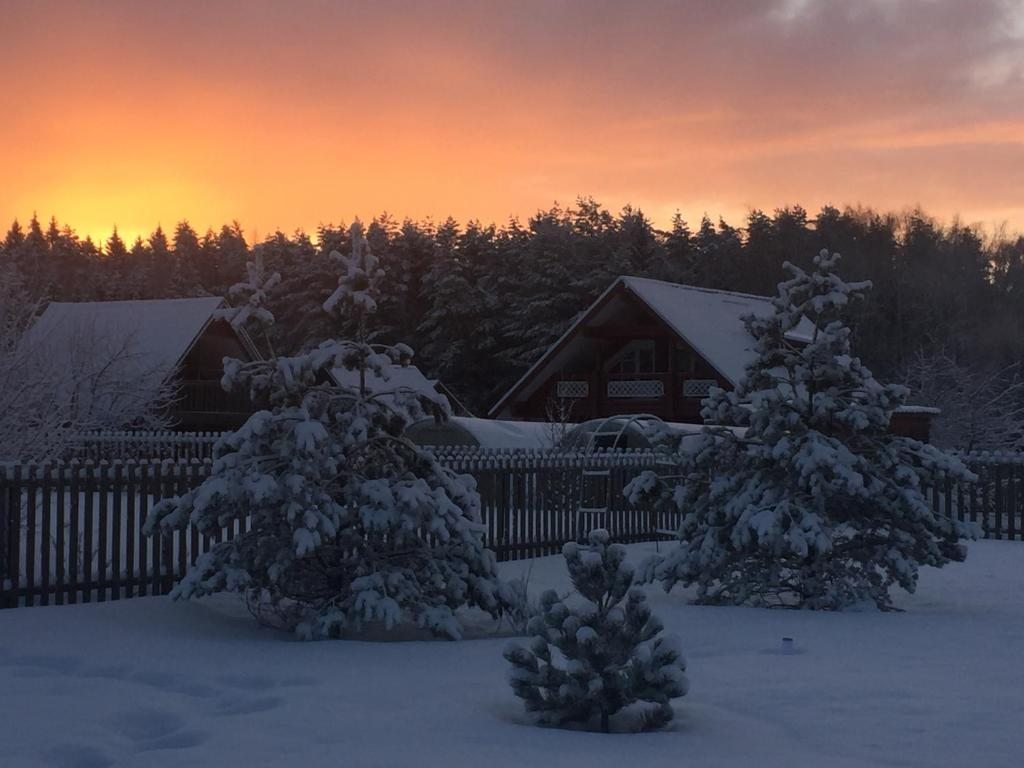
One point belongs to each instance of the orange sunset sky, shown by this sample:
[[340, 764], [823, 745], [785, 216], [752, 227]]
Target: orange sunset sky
[[288, 114]]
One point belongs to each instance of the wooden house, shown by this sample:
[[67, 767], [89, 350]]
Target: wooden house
[[648, 346], [178, 341]]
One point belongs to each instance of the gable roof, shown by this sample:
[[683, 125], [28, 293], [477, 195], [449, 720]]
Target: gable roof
[[711, 321], [155, 334], [707, 319]]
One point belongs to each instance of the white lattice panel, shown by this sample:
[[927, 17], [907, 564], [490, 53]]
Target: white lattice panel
[[698, 387], [573, 389], [636, 388]]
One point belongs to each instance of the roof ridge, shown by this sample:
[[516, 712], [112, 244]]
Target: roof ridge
[[700, 288], [136, 301]]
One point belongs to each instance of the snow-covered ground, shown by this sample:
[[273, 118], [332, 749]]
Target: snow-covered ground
[[148, 682]]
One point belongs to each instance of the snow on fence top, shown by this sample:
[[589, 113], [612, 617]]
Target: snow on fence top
[[140, 437], [139, 444], [161, 446], [457, 457]]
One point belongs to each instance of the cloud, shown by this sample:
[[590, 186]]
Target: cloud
[[286, 114]]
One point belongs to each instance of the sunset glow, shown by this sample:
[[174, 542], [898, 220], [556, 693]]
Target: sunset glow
[[284, 115]]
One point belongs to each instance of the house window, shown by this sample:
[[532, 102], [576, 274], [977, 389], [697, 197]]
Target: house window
[[636, 357], [698, 387], [686, 360], [641, 389], [572, 389]]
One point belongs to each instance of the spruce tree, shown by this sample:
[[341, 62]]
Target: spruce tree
[[250, 297], [187, 258], [348, 522], [587, 663], [818, 505]]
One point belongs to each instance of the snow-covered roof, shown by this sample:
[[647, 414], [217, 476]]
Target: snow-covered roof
[[486, 433], [399, 377], [709, 320], [154, 334], [918, 410]]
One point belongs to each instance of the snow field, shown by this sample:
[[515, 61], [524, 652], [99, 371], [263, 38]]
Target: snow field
[[148, 682]]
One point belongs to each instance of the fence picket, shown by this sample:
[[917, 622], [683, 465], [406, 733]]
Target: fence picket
[[30, 524], [101, 545], [117, 519], [12, 511], [59, 585], [45, 538], [74, 576]]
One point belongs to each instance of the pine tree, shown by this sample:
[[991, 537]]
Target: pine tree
[[460, 326], [818, 505], [160, 269], [138, 275], [13, 239], [251, 297], [677, 261], [349, 521], [606, 656], [187, 260], [301, 323], [232, 254]]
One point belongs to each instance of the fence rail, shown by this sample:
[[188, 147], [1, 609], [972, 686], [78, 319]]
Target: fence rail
[[72, 532]]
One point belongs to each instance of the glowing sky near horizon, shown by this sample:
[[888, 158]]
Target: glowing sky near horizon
[[286, 115]]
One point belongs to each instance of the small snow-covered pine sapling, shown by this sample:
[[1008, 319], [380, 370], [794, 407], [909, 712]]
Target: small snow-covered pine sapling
[[817, 505], [346, 520], [589, 662]]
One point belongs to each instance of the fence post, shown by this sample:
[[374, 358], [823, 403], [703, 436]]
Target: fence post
[[12, 580], [5, 538]]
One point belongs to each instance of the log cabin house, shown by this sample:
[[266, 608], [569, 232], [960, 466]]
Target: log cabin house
[[182, 341], [648, 346]]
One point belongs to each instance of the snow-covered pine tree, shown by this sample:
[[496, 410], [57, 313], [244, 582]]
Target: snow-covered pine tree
[[818, 505], [587, 663], [251, 297], [348, 521]]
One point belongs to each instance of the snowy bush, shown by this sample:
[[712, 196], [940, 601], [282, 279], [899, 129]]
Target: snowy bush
[[57, 383], [350, 522], [818, 505], [586, 664]]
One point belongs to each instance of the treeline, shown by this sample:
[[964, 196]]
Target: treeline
[[479, 302]]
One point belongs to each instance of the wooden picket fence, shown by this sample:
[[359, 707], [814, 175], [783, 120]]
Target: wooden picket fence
[[995, 503], [73, 532]]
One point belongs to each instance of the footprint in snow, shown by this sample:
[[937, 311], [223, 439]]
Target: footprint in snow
[[37, 666], [261, 683], [77, 756], [180, 740], [155, 729], [148, 724], [250, 706], [248, 682]]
